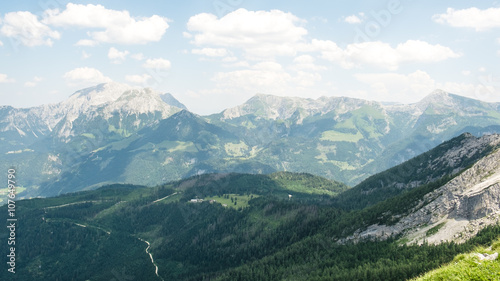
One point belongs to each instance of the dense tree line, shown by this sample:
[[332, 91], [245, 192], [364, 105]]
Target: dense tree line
[[94, 235]]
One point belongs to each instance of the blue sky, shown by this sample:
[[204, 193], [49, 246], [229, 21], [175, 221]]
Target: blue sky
[[217, 54]]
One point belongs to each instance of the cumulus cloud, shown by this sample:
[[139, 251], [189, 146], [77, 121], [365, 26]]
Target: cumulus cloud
[[138, 79], [85, 76], [1, 44], [116, 56], [118, 26], [210, 52], [480, 20], [27, 29], [262, 35], [330, 51], [158, 63], [381, 54], [5, 79], [258, 33]]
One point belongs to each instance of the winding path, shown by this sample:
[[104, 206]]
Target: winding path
[[151, 256]]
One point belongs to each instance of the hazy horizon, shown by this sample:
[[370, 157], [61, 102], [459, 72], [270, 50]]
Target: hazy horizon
[[217, 54]]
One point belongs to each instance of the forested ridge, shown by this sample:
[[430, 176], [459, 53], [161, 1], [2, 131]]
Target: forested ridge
[[282, 226]]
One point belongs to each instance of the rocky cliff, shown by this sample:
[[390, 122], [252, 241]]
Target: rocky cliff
[[455, 211]]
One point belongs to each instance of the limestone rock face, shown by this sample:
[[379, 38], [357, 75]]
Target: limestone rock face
[[458, 210]]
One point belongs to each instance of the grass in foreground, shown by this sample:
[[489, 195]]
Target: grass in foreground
[[468, 267]]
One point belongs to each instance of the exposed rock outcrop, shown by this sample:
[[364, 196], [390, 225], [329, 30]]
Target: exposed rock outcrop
[[454, 212]]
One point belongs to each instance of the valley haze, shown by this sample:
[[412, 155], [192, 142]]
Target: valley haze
[[115, 133]]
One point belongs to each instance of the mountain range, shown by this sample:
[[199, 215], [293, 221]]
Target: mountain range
[[394, 225], [113, 133]]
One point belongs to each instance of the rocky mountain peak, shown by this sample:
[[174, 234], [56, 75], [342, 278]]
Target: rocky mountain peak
[[140, 101], [437, 97], [171, 100], [277, 107], [100, 94]]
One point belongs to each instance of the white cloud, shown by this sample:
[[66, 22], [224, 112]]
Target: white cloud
[[138, 56], [210, 52], [85, 76], [480, 20], [382, 54], [34, 82], [259, 34], [138, 79], [158, 63], [87, 43], [262, 35], [1, 44], [466, 72], [352, 19], [330, 51], [117, 56], [304, 59], [119, 27], [5, 79], [482, 69], [25, 27]]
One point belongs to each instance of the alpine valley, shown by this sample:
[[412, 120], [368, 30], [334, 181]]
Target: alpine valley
[[440, 208], [136, 187], [113, 133]]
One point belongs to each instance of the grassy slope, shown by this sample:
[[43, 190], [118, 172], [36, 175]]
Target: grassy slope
[[468, 267]]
